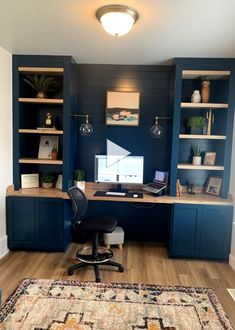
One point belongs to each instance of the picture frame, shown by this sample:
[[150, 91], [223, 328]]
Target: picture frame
[[213, 185], [30, 180], [122, 108], [59, 182], [209, 158], [46, 144]]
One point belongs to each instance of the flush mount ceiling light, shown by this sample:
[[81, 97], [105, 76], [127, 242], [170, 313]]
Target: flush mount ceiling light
[[117, 20]]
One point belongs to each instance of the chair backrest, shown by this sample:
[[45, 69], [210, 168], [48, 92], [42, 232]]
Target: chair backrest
[[79, 203]]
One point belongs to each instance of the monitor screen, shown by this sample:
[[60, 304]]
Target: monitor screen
[[127, 170]]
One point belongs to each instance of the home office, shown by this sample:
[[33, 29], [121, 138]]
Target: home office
[[169, 122], [81, 142]]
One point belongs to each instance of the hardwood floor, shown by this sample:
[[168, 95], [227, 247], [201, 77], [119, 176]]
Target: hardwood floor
[[144, 262]]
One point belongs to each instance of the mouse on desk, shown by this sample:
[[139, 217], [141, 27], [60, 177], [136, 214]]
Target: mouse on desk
[[135, 195]]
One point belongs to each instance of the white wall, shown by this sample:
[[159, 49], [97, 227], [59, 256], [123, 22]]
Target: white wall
[[232, 191], [5, 139]]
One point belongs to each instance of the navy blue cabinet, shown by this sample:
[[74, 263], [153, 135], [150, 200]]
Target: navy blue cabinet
[[38, 223], [201, 231]]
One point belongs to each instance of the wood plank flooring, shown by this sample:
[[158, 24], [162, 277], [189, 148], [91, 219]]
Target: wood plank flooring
[[144, 262]]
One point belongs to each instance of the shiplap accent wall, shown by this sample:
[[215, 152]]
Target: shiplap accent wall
[[154, 84]]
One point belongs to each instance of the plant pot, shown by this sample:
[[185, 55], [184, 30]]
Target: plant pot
[[54, 155], [197, 160], [80, 184], [196, 130], [41, 95], [47, 185]]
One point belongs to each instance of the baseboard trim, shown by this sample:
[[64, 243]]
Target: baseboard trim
[[232, 261], [3, 246]]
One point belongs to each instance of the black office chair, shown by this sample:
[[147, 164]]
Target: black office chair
[[93, 226]]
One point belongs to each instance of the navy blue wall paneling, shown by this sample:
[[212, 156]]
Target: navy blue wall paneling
[[154, 85]]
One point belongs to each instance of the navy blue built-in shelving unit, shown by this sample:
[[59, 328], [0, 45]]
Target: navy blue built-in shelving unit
[[189, 73], [29, 113]]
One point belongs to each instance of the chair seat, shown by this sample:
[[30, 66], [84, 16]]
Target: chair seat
[[104, 224]]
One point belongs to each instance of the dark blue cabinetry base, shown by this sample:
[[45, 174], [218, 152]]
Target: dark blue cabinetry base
[[38, 223], [201, 231]]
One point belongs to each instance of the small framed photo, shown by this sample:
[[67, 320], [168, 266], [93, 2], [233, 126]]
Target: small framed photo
[[29, 180], [122, 108], [209, 158], [59, 182], [213, 185]]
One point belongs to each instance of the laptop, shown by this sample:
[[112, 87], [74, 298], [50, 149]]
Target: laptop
[[159, 183]]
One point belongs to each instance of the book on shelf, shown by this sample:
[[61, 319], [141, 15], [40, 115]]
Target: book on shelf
[[47, 128]]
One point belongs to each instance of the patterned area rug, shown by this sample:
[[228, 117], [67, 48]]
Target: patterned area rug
[[50, 304]]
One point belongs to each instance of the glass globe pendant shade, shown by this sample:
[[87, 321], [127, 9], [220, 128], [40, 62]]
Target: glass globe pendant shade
[[86, 128], [117, 20], [156, 130]]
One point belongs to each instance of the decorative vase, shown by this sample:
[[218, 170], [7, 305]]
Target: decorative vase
[[197, 160], [205, 91], [196, 97]]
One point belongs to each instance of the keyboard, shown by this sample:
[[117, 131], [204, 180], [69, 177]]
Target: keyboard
[[115, 193]]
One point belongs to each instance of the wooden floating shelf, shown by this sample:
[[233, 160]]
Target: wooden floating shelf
[[204, 105], [38, 100], [200, 167], [27, 69], [40, 161], [206, 74], [204, 137], [40, 131]]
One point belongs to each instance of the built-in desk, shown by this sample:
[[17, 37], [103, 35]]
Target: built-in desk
[[191, 226], [91, 188]]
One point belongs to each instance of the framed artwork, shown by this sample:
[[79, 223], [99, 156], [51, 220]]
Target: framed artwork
[[122, 108], [46, 144], [213, 185], [209, 158], [30, 180]]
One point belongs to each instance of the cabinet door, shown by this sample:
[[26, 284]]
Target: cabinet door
[[20, 222], [49, 223], [215, 234], [184, 231]]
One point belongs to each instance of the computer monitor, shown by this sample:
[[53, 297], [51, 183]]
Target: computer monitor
[[110, 169]]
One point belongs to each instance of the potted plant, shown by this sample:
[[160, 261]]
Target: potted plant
[[54, 152], [41, 84], [47, 180], [197, 159], [79, 181], [196, 124]]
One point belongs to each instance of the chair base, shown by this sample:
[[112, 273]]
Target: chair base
[[96, 268]]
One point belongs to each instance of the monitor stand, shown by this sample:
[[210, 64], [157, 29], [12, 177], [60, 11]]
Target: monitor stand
[[119, 189]]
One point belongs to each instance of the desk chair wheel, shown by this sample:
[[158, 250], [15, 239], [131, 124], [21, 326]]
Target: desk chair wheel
[[70, 272], [121, 269]]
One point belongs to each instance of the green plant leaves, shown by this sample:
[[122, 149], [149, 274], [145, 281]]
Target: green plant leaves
[[41, 83]]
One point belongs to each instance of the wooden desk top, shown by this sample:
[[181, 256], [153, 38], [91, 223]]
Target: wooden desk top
[[91, 188]]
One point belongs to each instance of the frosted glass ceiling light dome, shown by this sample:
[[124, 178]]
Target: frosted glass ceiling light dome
[[117, 20]]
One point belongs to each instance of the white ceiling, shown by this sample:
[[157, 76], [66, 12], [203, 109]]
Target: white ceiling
[[165, 29]]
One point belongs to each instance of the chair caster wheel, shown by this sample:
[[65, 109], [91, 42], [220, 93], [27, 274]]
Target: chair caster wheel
[[98, 280], [70, 272], [121, 269]]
